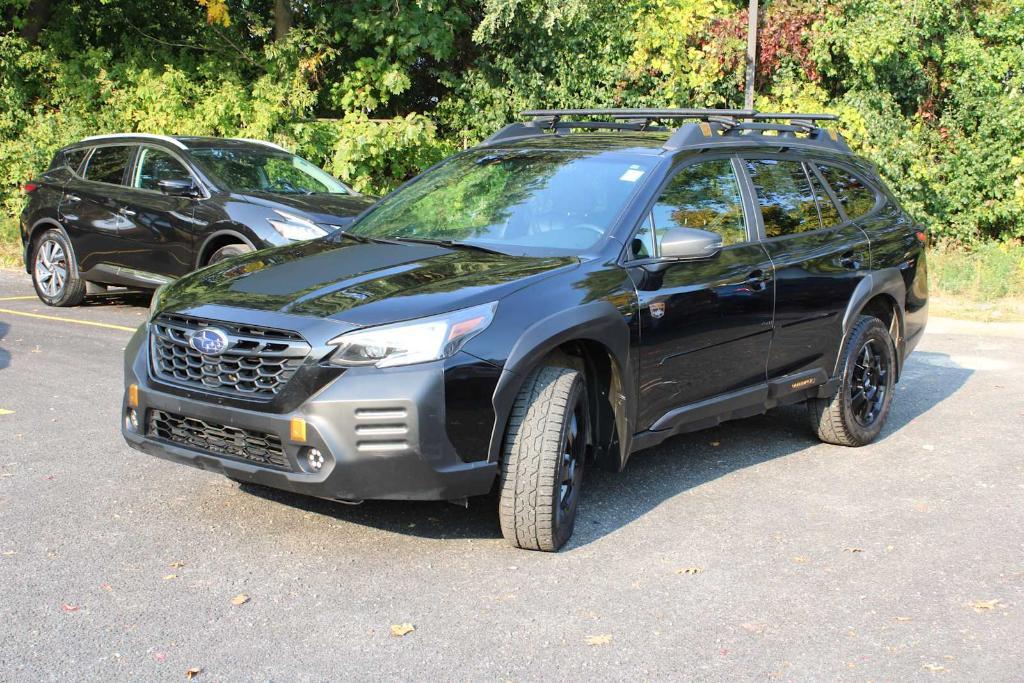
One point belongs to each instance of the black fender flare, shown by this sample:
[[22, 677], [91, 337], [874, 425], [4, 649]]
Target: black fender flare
[[598, 321], [888, 281], [217, 234], [41, 225]]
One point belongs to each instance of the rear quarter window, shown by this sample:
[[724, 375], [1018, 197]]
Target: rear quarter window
[[856, 196], [108, 164]]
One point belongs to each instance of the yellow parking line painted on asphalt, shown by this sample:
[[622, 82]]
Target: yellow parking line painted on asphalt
[[109, 326], [4, 411], [17, 298]]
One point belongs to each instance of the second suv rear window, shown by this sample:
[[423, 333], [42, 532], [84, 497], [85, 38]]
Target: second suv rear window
[[107, 164], [787, 204], [853, 193]]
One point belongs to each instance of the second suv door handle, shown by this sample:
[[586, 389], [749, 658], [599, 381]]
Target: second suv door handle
[[127, 212], [72, 198], [758, 279]]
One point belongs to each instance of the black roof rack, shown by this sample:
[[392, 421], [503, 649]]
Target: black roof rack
[[740, 125]]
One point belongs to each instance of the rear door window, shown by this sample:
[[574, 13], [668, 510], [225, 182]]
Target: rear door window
[[854, 194], [155, 165], [71, 159], [785, 195], [108, 164]]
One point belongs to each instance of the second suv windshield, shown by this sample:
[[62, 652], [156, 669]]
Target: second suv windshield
[[516, 201], [247, 170]]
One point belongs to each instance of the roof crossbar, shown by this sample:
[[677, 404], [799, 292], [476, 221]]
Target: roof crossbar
[[677, 114]]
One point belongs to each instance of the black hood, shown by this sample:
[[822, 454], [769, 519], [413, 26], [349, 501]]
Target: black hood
[[361, 284], [323, 207]]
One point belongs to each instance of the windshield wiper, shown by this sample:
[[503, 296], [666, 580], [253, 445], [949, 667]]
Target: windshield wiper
[[363, 239], [451, 244]]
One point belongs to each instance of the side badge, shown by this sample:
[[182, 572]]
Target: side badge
[[657, 309]]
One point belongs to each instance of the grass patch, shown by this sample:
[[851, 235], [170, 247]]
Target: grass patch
[[987, 273], [10, 243]]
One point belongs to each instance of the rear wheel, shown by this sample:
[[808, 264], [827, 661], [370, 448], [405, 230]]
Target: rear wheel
[[54, 271], [228, 251], [856, 414], [544, 454]]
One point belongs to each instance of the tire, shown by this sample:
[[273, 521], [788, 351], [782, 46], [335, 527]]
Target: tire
[[229, 251], [855, 415], [54, 271], [543, 457]]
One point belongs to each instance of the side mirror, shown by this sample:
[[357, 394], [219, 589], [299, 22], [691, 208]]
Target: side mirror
[[178, 188], [690, 243]]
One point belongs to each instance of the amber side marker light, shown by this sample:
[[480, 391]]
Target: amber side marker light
[[298, 430], [133, 395]]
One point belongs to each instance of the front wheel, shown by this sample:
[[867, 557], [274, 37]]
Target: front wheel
[[856, 414], [54, 271], [544, 454]]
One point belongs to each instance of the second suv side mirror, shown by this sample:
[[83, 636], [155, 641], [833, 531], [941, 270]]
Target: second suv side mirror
[[689, 243], [178, 188]]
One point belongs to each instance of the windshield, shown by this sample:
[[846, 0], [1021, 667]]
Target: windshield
[[515, 201], [249, 170]]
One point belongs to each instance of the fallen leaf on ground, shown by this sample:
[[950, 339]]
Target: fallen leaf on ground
[[4, 411], [599, 640], [935, 668], [193, 672], [9, 553], [902, 618], [107, 587], [853, 550], [689, 570], [160, 656], [800, 559], [170, 576], [240, 599], [928, 447], [176, 565], [982, 605], [716, 444], [70, 608], [399, 630], [753, 628]]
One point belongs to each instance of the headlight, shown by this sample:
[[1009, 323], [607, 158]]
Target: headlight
[[154, 303], [415, 341], [295, 227]]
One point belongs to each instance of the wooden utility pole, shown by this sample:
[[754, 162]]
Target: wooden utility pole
[[748, 98]]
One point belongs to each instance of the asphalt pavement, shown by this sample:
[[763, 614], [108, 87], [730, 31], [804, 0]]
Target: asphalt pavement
[[749, 551]]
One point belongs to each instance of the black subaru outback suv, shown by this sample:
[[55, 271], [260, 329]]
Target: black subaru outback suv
[[140, 210], [565, 294]]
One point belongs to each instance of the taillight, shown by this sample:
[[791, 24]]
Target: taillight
[[30, 187]]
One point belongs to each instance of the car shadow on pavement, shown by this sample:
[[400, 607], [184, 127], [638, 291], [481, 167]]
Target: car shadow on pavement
[[682, 463]]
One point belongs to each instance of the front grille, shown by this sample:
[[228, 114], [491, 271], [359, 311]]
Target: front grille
[[256, 364], [258, 447]]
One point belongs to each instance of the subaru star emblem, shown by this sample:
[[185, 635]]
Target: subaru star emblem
[[209, 341]]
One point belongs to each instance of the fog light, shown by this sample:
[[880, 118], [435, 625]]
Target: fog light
[[131, 420], [315, 459]]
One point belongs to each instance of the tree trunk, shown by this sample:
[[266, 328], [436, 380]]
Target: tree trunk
[[36, 18], [282, 19]]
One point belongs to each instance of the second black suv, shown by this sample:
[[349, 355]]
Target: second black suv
[[552, 298], [140, 210]]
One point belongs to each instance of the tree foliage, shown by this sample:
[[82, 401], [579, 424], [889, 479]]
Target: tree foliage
[[375, 90]]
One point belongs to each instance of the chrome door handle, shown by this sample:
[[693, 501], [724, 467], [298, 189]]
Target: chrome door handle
[[757, 279], [127, 212], [72, 198], [851, 260]]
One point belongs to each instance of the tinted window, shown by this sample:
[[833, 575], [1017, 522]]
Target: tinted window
[[828, 211], [107, 164], [705, 196], [266, 170], [787, 204], [155, 165], [855, 196], [516, 201], [71, 158]]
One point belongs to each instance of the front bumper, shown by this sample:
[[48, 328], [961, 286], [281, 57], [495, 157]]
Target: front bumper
[[382, 435]]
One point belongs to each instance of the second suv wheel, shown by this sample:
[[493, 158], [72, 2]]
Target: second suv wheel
[[54, 271], [542, 468], [228, 251], [856, 414]]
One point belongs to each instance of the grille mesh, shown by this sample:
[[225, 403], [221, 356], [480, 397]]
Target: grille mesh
[[257, 363], [258, 447]]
